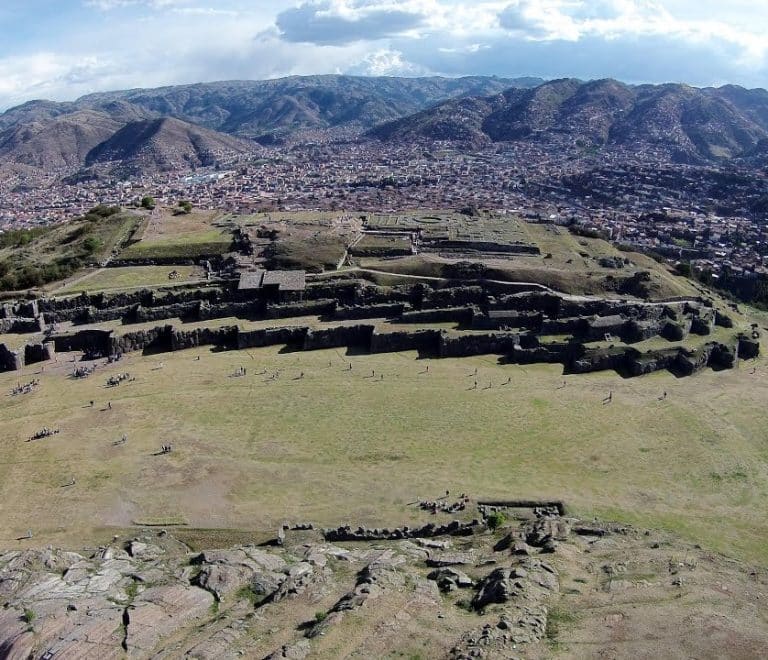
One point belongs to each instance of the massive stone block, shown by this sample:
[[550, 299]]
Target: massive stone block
[[10, 360], [462, 345], [413, 340], [271, 337], [342, 336], [457, 314]]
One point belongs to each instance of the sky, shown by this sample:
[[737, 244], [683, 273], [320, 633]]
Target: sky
[[63, 49]]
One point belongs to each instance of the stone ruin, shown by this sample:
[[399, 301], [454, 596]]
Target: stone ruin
[[490, 320]]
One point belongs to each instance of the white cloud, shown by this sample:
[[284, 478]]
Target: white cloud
[[347, 21], [108, 5], [159, 42], [386, 62]]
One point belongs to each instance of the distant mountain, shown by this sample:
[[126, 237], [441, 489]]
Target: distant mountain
[[263, 109], [49, 134], [689, 123], [260, 107], [165, 143], [61, 141]]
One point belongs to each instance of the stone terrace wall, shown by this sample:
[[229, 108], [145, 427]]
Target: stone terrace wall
[[415, 340], [185, 310], [41, 352], [646, 363], [498, 319], [599, 360], [376, 311], [22, 325], [449, 314], [158, 338], [749, 347], [226, 337], [287, 336], [97, 341], [306, 308], [535, 311], [566, 326], [94, 315], [346, 292], [250, 309], [559, 353], [11, 360], [453, 528], [463, 345], [339, 337], [455, 297]]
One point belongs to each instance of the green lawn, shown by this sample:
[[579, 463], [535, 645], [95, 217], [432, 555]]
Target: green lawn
[[338, 446], [190, 247], [130, 277]]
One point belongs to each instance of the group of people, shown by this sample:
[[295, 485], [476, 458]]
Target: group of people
[[113, 381], [240, 371], [165, 449], [26, 388], [84, 371], [43, 433]]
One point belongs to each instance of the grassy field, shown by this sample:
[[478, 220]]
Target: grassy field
[[129, 277], [336, 446], [167, 235]]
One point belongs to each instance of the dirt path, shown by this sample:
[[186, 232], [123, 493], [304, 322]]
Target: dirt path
[[67, 283], [343, 259]]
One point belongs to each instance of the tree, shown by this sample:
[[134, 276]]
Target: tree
[[148, 202], [683, 268], [185, 206]]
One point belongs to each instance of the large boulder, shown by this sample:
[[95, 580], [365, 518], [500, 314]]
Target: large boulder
[[449, 579], [532, 579], [222, 572]]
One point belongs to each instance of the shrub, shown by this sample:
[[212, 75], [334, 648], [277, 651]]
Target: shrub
[[321, 616], [104, 211], [683, 268], [91, 244], [29, 615], [496, 520]]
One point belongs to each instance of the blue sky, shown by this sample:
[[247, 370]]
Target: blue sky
[[62, 49]]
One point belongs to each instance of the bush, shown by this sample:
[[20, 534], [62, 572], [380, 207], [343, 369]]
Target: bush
[[683, 268], [9, 282], [321, 616], [496, 520], [104, 211], [91, 244], [29, 615], [185, 206], [148, 202], [20, 237]]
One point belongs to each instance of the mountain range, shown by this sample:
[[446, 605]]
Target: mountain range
[[690, 124], [191, 125], [52, 134]]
